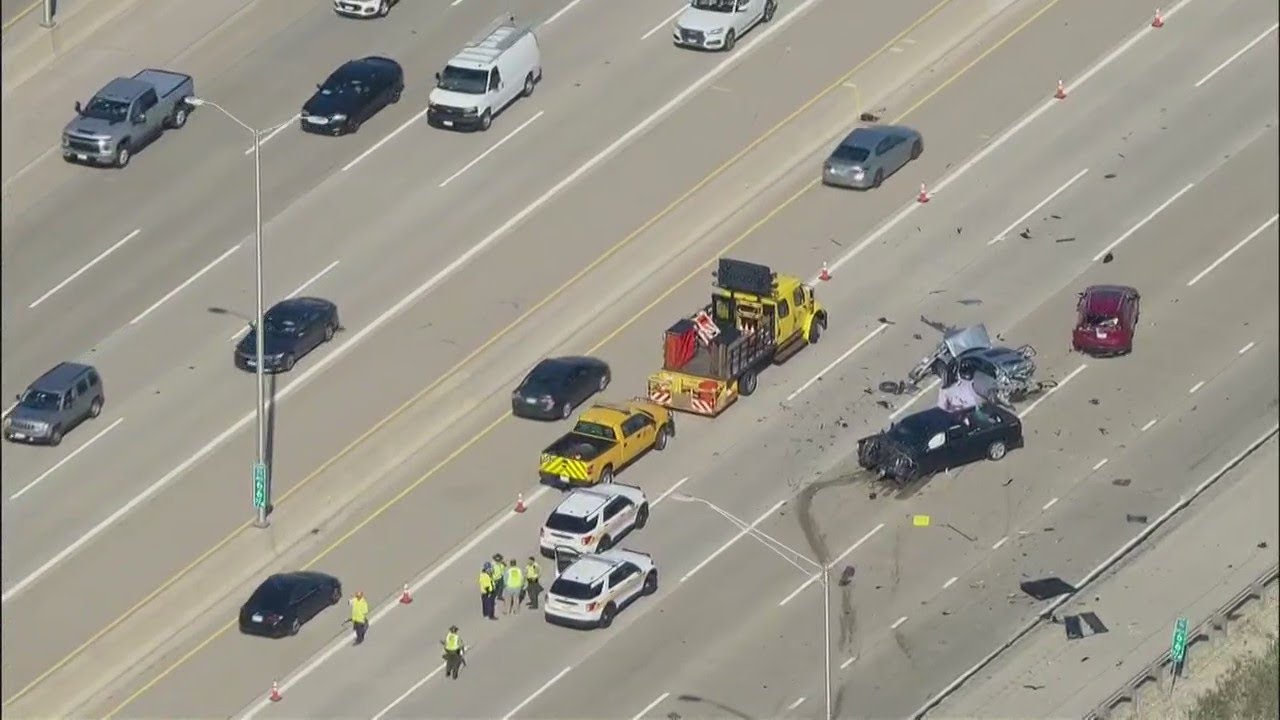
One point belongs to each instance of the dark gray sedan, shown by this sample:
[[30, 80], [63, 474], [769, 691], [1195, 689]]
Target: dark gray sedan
[[869, 155], [293, 328]]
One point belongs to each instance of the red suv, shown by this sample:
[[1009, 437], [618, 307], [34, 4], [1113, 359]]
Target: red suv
[[1106, 320]]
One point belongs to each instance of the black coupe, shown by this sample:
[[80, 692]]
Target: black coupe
[[293, 328], [556, 386], [924, 443], [284, 602], [354, 93]]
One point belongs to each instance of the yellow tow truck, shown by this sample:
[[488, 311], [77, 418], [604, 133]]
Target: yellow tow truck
[[607, 437], [756, 317]]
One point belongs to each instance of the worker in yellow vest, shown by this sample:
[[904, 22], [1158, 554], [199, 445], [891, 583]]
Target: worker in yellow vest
[[453, 650], [486, 592], [359, 616], [532, 587], [499, 574], [513, 586]]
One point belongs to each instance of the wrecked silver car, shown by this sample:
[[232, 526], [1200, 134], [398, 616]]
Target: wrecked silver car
[[1000, 374]]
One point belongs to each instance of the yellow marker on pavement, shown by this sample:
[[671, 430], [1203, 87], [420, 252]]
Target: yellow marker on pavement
[[920, 520]]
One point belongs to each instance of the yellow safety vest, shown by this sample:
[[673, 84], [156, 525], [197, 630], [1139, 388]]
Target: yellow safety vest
[[531, 572], [486, 583], [359, 610], [515, 578], [452, 643], [498, 570]]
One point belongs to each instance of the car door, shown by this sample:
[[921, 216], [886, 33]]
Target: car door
[[84, 398], [67, 413], [745, 15], [302, 600], [785, 319], [313, 330], [1131, 312], [497, 94], [618, 516], [881, 155], [639, 434], [579, 384], [624, 582]]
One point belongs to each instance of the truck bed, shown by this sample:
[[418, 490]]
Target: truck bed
[[166, 82], [576, 446]]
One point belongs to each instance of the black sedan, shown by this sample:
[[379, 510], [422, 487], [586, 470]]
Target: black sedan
[[354, 93], [556, 386], [293, 328], [284, 602], [926, 442]]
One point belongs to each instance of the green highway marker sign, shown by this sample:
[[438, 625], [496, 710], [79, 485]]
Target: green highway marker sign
[[1178, 651], [259, 485]]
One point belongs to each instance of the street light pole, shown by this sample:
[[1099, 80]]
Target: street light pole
[[261, 479], [826, 635], [46, 21]]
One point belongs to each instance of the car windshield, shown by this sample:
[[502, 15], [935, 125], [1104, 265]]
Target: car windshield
[[594, 430], [575, 590], [463, 80], [39, 400], [101, 108], [915, 430], [724, 6], [851, 153], [1101, 319], [570, 524], [283, 324]]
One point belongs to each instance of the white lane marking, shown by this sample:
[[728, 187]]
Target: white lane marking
[[848, 662], [1049, 504], [560, 12], [1052, 390], [278, 129], [817, 576], [455, 3], [651, 705], [66, 459], [932, 384], [1147, 427], [741, 534], [1098, 465], [1233, 250], [1195, 387], [295, 293], [101, 256], [1014, 225], [1246, 348], [417, 116], [183, 286], [540, 690], [949, 583], [897, 623], [796, 704], [1000, 542], [669, 490], [663, 24], [426, 678], [871, 335], [1046, 106], [493, 147], [1239, 52], [342, 642], [1150, 216]]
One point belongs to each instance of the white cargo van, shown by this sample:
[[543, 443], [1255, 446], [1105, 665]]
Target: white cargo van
[[486, 76]]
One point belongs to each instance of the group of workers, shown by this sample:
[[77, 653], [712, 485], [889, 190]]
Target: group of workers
[[497, 580]]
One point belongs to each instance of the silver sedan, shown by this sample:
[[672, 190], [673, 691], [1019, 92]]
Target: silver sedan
[[868, 155]]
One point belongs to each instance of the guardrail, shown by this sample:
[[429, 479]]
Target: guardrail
[[1161, 670]]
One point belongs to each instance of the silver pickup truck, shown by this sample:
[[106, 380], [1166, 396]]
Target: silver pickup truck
[[125, 115]]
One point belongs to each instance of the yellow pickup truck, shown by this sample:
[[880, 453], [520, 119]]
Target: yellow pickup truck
[[607, 437]]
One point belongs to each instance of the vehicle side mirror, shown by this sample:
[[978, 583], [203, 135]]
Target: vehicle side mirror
[[79, 109], [142, 117], [437, 77], [18, 397], [936, 441]]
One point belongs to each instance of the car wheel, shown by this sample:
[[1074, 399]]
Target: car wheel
[[528, 85], [335, 595], [95, 409], [642, 516], [769, 9], [295, 626], [395, 95], [605, 543], [730, 40], [815, 332], [606, 615], [660, 442], [651, 582], [604, 381], [878, 179], [123, 155], [287, 363], [606, 475], [486, 120], [996, 450], [747, 383], [55, 436], [384, 8], [353, 125], [329, 331], [917, 150], [179, 117]]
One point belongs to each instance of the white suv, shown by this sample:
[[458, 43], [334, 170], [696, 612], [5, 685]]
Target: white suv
[[717, 24], [363, 8], [591, 591], [591, 519]]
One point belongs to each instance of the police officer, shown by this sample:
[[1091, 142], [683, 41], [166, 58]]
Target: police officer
[[359, 616], [531, 586], [513, 587], [486, 592], [453, 649], [499, 574]]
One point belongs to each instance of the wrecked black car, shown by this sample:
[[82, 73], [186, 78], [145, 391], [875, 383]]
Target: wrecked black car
[[921, 444]]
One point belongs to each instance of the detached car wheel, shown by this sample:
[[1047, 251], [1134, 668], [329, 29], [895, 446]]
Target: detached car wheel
[[996, 450]]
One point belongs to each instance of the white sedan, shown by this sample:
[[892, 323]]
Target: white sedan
[[591, 519], [363, 8], [592, 590]]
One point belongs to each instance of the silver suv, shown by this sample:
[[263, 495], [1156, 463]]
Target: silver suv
[[56, 402]]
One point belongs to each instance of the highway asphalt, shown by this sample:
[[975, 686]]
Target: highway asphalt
[[111, 511], [1191, 165]]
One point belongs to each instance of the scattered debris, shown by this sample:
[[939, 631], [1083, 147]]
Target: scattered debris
[[1056, 217], [846, 575], [1139, 519], [1007, 482], [1094, 622], [959, 230], [1065, 240], [1033, 687], [916, 336], [1108, 258], [1095, 401], [885, 321], [1262, 545], [1109, 176], [969, 301], [1074, 629], [1103, 431], [885, 404], [868, 117], [1121, 482], [1046, 588], [1025, 234]]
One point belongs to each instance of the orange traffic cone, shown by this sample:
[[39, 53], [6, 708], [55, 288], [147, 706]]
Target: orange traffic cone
[[405, 597], [825, 275], [1062, 91], [520, 502], [275, 692], [923, 197], [1158, 22]]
